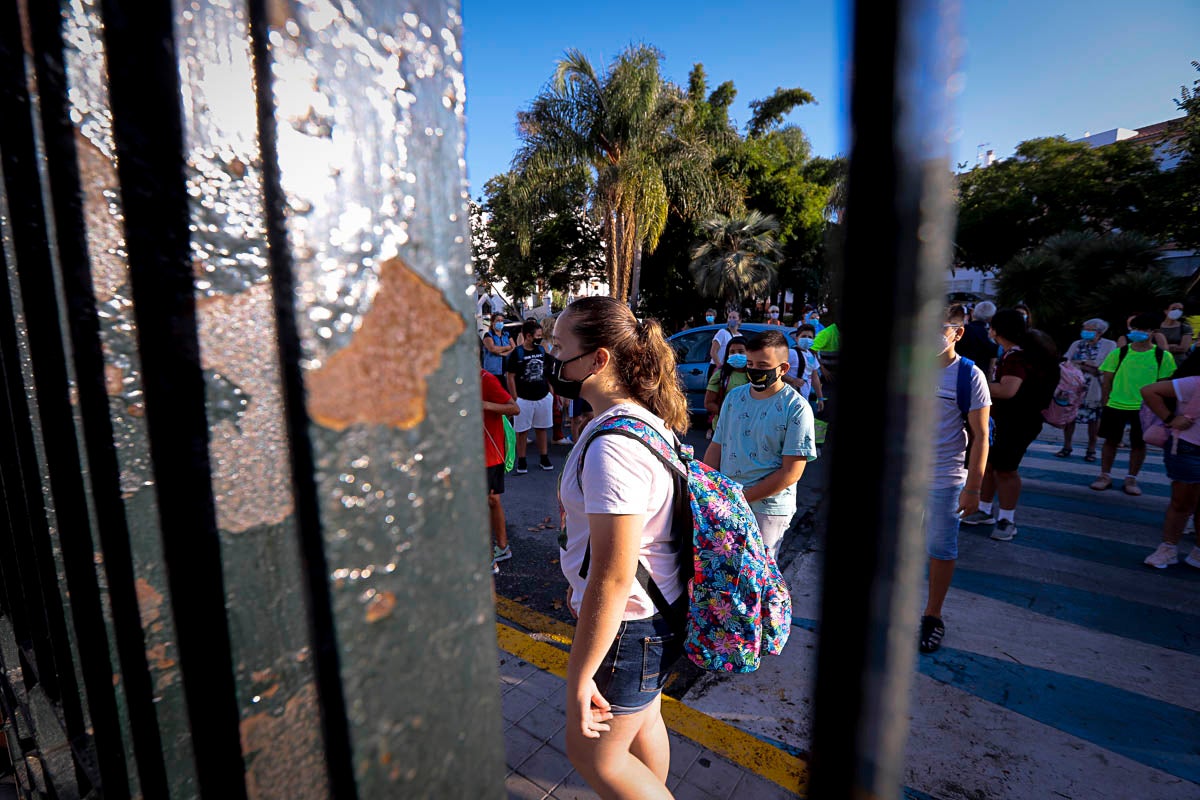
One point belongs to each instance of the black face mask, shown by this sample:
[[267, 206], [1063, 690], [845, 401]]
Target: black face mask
[[762, 379], [565, 387]]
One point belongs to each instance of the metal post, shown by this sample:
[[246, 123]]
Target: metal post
[[897, 225]]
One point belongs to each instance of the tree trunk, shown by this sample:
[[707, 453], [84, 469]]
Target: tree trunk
[[636, 282], [612, 253]]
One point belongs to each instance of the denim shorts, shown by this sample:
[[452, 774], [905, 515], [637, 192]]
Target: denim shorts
[[1183, 465], [941, 523], [635, 668]]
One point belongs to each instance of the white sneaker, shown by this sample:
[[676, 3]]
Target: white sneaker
[[1193, 558], [1163, 557]]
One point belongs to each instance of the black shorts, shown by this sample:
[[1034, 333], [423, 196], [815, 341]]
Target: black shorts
[[1113, 422], [495, 479], [1011, 440]]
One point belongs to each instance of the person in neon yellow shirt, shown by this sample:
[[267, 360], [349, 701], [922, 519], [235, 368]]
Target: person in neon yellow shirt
[[726, 379], [828, 340], [1123, 373]]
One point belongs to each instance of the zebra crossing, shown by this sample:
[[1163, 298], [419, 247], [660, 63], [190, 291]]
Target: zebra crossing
[[1069, 669]]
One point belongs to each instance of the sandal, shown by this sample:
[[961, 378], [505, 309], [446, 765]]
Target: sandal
[[1064, 453], [1090, 456], [932, 631]]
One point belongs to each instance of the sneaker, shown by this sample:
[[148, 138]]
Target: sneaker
[[978, 518], [495, 568], [1163, 557], [566, 440], [499, 554], [1102, 483], [1193, 558], [1006, 529], [932, 631], [522, 467], [545, 463], [1131, 486]]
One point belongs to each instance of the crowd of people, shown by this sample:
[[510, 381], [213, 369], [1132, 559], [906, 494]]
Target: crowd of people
[[998, 375]]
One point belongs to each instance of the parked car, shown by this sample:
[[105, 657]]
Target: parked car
[[691, 357]]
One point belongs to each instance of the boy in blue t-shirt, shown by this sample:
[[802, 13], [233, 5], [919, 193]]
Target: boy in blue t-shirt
[[764, 437]]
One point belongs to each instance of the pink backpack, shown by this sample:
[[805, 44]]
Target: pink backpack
[[1154, 431], [1068, 396]]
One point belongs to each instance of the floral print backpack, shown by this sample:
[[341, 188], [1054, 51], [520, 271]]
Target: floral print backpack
[[739, 606]]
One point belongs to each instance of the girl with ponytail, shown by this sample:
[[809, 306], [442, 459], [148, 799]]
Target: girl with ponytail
[[617, 512]]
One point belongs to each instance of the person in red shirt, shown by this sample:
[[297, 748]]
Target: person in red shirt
[[496, 404]]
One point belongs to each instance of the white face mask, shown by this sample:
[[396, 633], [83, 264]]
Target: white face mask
[[1175, 313]]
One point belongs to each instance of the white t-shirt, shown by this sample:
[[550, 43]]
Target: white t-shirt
[[722, 338], [621, 476], [811, 362], [950, 433], [1184, 387]]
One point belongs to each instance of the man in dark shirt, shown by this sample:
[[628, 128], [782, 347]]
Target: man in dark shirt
[[975, 344], [526, 370]]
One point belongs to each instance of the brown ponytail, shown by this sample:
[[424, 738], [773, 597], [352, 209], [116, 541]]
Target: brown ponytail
[[645, 362]]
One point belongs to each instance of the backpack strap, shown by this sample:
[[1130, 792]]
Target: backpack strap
[[680, 527], [962, 390], [1124, 351]]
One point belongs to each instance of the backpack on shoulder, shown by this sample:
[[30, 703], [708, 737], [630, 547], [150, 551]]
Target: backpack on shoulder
[[962, 397], [738, 606], [1068, 396]]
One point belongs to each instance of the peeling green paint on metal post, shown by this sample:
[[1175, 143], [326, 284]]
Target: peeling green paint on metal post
[[371, 170]]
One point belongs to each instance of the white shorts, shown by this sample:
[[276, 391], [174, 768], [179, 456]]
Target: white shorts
[[535, 414]]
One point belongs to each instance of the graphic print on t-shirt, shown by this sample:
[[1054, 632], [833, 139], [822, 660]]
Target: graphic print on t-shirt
[[529, 367]]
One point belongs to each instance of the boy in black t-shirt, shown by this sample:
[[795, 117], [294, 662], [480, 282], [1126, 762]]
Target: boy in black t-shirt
[[526, 371]]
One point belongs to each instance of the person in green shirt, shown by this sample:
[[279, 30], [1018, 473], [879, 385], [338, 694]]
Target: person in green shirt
[[726, 379], [1123, 373]]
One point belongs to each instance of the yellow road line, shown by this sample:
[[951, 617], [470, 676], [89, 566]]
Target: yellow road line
[[740, 747], [531, 620]]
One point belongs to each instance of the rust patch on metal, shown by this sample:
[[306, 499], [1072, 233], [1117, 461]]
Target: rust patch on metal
[[380, 606], [105, 234], [157, 656], [252, 479], [379, 378], [284, 752], [149, 602]]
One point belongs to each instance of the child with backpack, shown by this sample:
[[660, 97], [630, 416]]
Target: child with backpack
[[723, 381], [960, 458], [1169, 414], [627, 511], [1122, 375]]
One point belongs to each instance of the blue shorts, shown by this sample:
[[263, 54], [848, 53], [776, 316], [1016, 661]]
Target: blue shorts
[[635, 668], [1182, 466], [941, 523]]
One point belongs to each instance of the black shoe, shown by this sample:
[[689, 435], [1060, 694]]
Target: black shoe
[[522, 467], [932, 631], [545, 463]]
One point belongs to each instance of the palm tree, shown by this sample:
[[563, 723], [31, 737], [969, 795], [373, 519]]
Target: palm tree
[[623, 129], [736, 257]]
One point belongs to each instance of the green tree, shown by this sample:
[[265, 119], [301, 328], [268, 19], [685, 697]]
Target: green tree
[[1075, 276], [737, 257], [624, 130], [563, 246], [1183, 183], [1051, 186]]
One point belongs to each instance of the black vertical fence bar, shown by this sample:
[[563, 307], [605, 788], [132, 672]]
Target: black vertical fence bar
[[144, 90], [371, 183], [281, 732], [326, 659], [898, 219]]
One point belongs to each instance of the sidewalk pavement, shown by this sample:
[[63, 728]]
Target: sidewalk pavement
[[534, 702]]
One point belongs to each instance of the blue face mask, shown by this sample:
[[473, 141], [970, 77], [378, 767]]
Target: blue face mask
[[1137, 337], [1087, 336], [498, 326], [710, 319], [737, 361]]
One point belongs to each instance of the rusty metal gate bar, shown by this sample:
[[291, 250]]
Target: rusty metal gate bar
[[898, 219], [272, 525]]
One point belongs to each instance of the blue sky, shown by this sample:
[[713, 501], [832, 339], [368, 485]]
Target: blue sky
[[1032, 67]]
